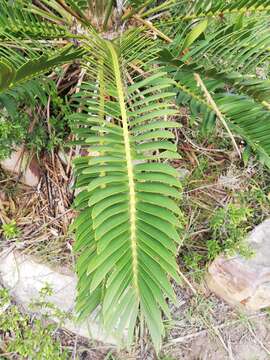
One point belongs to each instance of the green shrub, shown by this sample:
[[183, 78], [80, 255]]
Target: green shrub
[[27, 337]]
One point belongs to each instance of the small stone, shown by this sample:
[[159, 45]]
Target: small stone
[[24, 276], [230, 182], [244, 282], [21, 162], [63, 156], [183, 173], [3, 196]]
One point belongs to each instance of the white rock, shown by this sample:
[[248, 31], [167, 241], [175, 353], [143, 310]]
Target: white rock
[[183, 173], [230, 182], [21, 162], [245, 282], [25, 277]]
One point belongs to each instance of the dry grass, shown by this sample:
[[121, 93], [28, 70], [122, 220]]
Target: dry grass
[[42, 215]]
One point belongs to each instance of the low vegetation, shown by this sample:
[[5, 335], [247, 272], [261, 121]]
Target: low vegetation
[[26, 337]]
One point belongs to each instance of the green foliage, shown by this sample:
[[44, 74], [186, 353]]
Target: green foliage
[[229, 226], [14, 132], [166, 358], [228, 229], [28, 337], [127, 230], [11, 133], [233, 58], [192, 262], [10, 230]]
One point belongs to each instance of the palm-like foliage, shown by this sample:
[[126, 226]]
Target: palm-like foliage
[[126, 203], [218, 42], [126, 230]]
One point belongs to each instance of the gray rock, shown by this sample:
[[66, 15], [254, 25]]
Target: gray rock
[[244, 282], [24, 276]]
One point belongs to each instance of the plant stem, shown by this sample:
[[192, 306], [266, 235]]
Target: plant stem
[[83, 19], [216, 110], [108, 13], [132, 12], [130, 168], [159, 8], [153, 28]]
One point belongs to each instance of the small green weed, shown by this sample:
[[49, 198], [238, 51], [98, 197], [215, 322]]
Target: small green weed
[[229, 228], [10, 230], [11, 132], [25, 337], [193, 261], [166, 357]]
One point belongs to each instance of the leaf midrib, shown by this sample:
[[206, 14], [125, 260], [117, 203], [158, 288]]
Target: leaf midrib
[[130, 170]]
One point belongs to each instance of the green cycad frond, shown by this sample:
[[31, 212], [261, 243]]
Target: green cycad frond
[[10, 76], [23, 54], [250, 120], [245, 108], [20, 21], [215, 41], [257, 89], [31, 92], [237, 49], [18, 76], [188, 10], [224, 46], [208, 49], [131, 211]]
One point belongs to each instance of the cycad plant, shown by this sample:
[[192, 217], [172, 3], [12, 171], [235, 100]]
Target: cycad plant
[[142, 60]]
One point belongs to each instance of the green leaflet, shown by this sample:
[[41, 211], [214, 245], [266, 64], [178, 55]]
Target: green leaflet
[[106, 192], [165, 227], [158, 177], [152, 249], [107, 202], [195, 33], [109, 212], [108, 238], [157, 167], [158, 211], [152, 315], [103, 181], [158, 189], [106, 267], [156, 234], [118, 281], [111, 223], [7, 74], [156, 145], [155, 125]]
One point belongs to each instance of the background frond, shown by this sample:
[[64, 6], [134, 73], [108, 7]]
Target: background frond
[[244, 105], [19, 20], [12, 75], [185, 10]]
